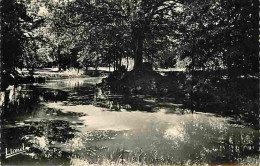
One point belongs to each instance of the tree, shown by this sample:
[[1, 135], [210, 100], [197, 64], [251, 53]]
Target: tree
[[13, 14], [221, 34], [12, 34], [22, 37], [130, 22]]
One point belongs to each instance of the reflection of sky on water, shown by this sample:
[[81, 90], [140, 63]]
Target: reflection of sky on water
[[199, 136], [59, 119], [73, 82]]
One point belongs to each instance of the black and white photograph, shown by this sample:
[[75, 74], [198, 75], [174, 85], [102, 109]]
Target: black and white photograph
[[129, 83]]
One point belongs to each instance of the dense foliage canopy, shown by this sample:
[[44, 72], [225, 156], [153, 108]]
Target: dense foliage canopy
[[209, 34]]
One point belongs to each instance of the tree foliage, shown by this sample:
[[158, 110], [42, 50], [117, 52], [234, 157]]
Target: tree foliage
[[120, 28], [212, 34], [221, 34]]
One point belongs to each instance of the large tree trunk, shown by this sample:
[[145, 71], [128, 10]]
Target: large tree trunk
[[138, 52], [59, 58], [138, 32]]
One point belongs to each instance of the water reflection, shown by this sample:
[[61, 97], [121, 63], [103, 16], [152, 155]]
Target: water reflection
[[199, 137], [66, 119]]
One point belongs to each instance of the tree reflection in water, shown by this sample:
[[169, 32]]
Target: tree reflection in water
[[61, 121]]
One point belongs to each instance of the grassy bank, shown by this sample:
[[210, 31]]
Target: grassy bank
[[83, 162], [38, 76], [53, 73]]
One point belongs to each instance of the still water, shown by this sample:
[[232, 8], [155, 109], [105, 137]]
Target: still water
[[65, 119]]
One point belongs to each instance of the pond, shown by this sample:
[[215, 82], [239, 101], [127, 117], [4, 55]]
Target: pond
[[64, 120]]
